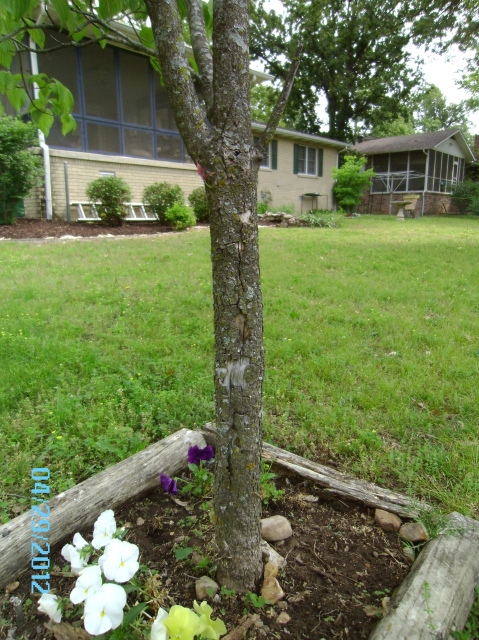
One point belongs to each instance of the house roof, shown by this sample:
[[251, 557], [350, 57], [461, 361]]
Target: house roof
[[414, 142], [298, 135]]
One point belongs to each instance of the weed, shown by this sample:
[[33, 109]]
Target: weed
[[257, 601], [202, 481], [269, 492]]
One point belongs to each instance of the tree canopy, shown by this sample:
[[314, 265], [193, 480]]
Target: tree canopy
[[355, 54]]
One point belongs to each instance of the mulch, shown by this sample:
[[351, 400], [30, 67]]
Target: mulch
[[25, 229], [340, 566]]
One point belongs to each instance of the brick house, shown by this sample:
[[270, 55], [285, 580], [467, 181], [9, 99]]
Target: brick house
[[125, 127], [425, 164]]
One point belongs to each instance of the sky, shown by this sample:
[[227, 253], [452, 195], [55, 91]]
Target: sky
[[442, 71]]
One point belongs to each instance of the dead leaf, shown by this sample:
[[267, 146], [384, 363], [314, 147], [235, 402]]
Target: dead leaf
[[371, 611], [12, 587], [238, 632], [65, 631], [185, 505]]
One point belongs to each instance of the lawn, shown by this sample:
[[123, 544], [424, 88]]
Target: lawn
[[371, 338]]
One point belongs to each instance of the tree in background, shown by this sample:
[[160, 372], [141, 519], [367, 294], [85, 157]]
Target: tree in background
[[429, 112], [355, 55], [222, 146], [351, 182]]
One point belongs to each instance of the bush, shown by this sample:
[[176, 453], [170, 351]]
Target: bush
[[20, 169], [465, 196], [180, 216], [112, 193], [265, 200], [322, 218], [351, 182], [161, 196], [199, 201]]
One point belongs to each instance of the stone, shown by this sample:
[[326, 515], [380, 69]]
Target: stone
[[271, 555], [283, 618], [270, 570], [283, 605], [271, 591], [371, 611], [201, 586], [275, 528], [386, 605], [408, 553], [284, 223], [13, 586], [375, 554], [387, 521], [139, 522], [414, 532]]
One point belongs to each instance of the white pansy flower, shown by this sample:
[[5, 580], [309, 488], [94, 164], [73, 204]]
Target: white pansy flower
[[158, 629], [87, 585], [79, 541], [120, 561], [105, 610], [72, 556], [50, 605], [103, 529]]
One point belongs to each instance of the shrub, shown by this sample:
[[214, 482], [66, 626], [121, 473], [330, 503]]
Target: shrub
[[20, 169], [321, 218], [265, 200], [351, 182], [161, 196], [180, 216], [199, 201], [465, 196], [112, 193]]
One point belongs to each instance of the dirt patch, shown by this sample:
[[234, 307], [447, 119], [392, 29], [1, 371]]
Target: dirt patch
[[340, 566], [25, 229]]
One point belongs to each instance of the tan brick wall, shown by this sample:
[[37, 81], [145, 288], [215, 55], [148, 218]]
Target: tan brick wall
[[138, 174], [285, 186]]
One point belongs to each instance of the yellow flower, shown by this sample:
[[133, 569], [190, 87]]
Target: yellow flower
[[59, 437], [211, 629], [182, 623]]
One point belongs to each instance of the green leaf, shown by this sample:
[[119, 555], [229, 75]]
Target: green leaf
[[17, 97], [43, 120], [129, 588], [146, 36], [38, 37], [7, 53], [68, 124], [134, 613], [63, 10], [20, 8], [183, 552]]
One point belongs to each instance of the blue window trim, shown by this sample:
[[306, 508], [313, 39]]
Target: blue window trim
[[120, 124]]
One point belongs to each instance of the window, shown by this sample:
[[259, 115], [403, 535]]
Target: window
[[135, 89], [417, 170], [270, 158], [308, 160], [120, 105]]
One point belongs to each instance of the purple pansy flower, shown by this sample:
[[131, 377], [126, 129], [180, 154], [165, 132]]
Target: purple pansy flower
[[169, 484], [195, 454]]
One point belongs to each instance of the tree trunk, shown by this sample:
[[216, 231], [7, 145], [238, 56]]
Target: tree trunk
[[239, 368]]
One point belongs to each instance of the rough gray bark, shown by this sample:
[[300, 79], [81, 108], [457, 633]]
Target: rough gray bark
[[224, 148], [81, 505], [335, 482], [438, 593]]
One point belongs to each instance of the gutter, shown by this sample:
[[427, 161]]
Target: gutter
[[41, 139]]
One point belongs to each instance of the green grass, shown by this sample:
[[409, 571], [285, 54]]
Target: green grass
[[371, 339]]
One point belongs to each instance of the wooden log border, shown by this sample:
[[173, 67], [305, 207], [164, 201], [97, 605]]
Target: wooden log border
[[337, 483], [438, 593], [81, 505]]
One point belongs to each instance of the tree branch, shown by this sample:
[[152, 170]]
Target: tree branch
[[189, 116], [201, 49], [277, 112]]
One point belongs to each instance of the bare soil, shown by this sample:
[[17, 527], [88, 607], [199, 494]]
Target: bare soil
[[339, 563]]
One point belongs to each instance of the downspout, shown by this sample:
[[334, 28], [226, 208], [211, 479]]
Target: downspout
[[41, 139]]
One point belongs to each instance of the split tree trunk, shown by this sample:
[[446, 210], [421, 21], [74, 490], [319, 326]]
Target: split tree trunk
[[239, 369]]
